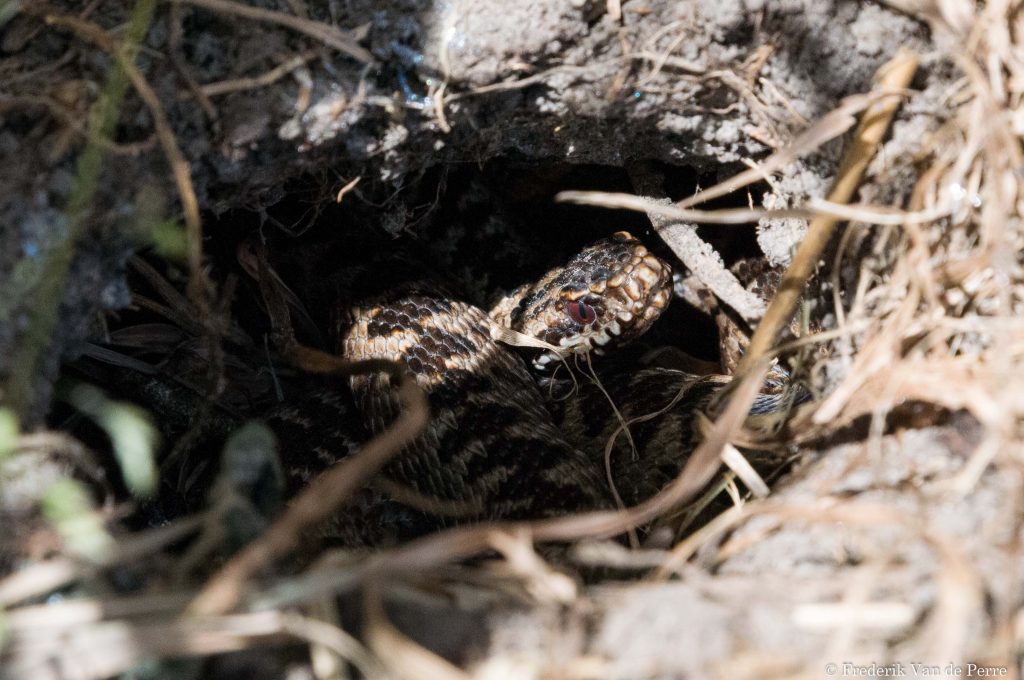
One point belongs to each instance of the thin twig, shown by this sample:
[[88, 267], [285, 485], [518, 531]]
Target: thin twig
[[699, 256], [262, 80], [318, 501], [48, 576], [828, 127], [335, 639], [179, 165], [868, 214], [518, 84], [30, 351], [325, 33], [109, 648], [73, 120], [181, 66], [894, 74], [455, 544], [405, 657]]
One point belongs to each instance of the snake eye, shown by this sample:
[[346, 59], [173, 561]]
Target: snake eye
[[581, 312]]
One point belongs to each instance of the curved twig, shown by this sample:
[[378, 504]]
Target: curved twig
[[325, 33], [318, 501]]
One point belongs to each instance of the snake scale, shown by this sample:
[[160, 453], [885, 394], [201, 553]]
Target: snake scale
[[499, 444]]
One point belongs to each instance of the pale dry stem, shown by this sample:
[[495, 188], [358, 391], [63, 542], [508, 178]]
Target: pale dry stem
[[318, 501], [325, 33]]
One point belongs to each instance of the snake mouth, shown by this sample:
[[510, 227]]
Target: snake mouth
[[624, 327], [609, 293], [581, 344]]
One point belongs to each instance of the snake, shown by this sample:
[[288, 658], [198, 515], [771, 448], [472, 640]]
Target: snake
[[507, 438]]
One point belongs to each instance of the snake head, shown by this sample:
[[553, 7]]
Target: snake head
[[610, 292]]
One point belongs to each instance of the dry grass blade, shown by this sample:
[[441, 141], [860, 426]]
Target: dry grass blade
[[47, 619], [320, 499], [262, 80], [99, 649], [106, 649], [43, 295], [403, 656], [456, 544], [893, 75], [685, 549], [739, 464], [325, 33], [698, 471], [180, 169], [867, 214], [57, 634], [859, 615], [349, 186], [623, 428], [38, 579], [522, 562], [602, 199], [315, 504], [699, 256], [828, 127], [701, 467], [336, 640], [870, 214], [48, 576], [517, 84]]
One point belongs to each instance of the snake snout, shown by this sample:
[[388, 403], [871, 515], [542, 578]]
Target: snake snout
[[609, 293]]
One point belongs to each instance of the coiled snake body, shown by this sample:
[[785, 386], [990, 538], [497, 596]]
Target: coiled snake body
[[495, 444]]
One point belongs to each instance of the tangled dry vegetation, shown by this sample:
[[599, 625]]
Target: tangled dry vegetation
[[923, 360]]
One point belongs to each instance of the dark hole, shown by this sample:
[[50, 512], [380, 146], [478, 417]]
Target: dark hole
[[488, 228]]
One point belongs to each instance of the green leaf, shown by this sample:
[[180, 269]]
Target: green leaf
[[169, 240], [8, 432], [67, 506], [135, 439], [132, 434]]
